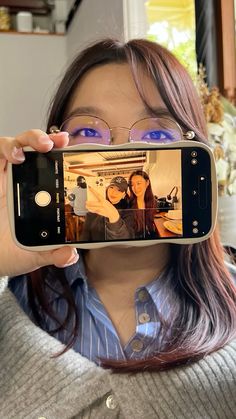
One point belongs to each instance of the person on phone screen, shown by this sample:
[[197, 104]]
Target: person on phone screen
[[77, 197], [76, 211], [110, 218], [161, 316], [143, 201]]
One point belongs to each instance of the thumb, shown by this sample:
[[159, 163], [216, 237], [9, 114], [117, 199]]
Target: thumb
[[61, 258]]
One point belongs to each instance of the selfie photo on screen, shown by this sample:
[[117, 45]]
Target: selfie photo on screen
[[128, 195]]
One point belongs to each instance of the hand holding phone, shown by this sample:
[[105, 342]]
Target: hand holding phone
[[13, 259]]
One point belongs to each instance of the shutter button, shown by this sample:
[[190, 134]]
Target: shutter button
[[111, 403]]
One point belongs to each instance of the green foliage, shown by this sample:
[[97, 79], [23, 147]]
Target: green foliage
[[184, 51]]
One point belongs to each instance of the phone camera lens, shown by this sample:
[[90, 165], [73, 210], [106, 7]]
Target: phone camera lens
[[195, 230], [194, 161], [194, 154], [195, 223]]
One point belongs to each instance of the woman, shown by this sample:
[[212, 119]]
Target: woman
[[141, 309], [110, 218], [143, 201]]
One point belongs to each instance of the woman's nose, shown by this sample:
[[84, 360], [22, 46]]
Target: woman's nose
[[120, 135]]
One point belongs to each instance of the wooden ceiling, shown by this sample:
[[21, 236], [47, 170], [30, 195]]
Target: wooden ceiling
[[39, 7]]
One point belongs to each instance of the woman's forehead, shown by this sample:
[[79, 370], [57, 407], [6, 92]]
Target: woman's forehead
[[137, 178], [112, 84], [114, 187]]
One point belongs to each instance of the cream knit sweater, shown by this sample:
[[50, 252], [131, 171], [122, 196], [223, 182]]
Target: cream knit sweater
[[34, 385]]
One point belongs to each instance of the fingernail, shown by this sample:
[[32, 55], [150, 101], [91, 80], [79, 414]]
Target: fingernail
[[75, 252], [72, 261], [17, 153], [44, 139], [60, 134]]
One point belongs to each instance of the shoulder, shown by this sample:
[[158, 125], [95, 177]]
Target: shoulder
[[30, 370], [204, 389]]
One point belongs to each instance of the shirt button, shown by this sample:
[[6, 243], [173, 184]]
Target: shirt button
[[143, 296], [111, 403], [137, 345], [144, 318]]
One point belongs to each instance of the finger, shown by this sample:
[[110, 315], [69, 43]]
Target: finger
[[41, 141], [61, 139], [65, 256], [11, 147]]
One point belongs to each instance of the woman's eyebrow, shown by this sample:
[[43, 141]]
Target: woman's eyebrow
[[145, 113], [85, 110], [155, 112]]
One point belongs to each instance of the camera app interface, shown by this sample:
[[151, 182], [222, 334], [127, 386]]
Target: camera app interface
[[122, 195]]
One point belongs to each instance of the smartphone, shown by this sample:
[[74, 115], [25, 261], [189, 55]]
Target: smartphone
[[181, 174], [96, 184]]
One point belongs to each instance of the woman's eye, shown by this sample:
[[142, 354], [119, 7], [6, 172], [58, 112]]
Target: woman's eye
[[158, 135], [85, 132]]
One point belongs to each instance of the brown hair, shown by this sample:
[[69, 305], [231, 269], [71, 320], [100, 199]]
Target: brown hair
[[205, 320]]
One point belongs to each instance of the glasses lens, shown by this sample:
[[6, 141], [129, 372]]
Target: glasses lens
[[153, 130], [85, 129]]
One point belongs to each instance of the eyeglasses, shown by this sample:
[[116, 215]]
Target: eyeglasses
[[89, 129]]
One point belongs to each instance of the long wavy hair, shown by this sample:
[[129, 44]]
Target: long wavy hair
[[205, 318], [149, 200]]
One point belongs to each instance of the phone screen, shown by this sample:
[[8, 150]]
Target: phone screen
[[90, 196]]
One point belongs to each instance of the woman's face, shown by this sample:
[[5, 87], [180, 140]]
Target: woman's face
[[139, 185], [109, 92], [114, 194]]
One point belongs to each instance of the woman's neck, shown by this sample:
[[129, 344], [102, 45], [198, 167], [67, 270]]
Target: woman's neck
[[116, 273], [138, 265], [141, 203]]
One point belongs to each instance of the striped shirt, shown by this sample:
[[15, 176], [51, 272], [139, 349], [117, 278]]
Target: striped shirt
[[97, 337]]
